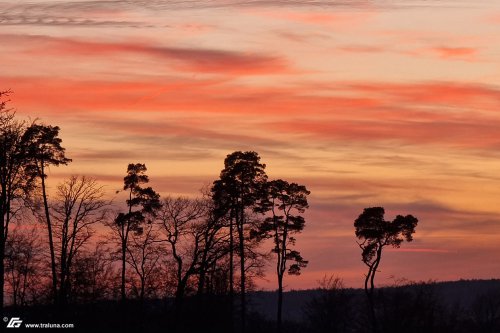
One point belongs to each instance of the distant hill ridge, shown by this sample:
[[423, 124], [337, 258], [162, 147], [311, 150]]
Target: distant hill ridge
[[452, 293]]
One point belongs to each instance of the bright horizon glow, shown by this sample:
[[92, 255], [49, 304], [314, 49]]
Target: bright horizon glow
[[389, 103]]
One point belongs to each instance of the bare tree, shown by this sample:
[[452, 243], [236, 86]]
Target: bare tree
[[145, 257], [181, 222], [215, 247], [15, 183], [93, 275], [78, 206], [332, 310], [23, 264]]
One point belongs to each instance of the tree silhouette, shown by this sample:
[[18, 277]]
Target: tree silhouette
[[142, 202], [78, 206], [15, 183], [238, 189], [412, 307], [485, 312], [94, 277], [214, 247], [43, 150], [145, 255], [181, 222], [332, 311], [286, 201], [376, 233], [23, 264]]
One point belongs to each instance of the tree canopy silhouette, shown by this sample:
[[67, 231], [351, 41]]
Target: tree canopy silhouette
[[286, 201], [15, 182], [142, 201], [376, 233], [238, 189], [44, 150]]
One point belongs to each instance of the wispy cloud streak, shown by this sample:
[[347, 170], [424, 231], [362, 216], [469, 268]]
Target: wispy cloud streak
[[189, 59]]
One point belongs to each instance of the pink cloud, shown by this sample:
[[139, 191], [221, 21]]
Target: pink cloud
[[465, 134], [422, 113], [195, 95], [461, 53], [183, 59], [438, 93]]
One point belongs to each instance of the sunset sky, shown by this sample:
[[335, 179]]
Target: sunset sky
[[367, 103]]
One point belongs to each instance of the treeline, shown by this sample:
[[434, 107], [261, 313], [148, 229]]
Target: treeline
[[73, 246], [410, 307]]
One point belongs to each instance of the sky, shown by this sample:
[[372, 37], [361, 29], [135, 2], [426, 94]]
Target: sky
[[367, 103]]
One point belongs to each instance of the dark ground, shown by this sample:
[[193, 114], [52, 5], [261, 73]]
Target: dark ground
[[465, 306]]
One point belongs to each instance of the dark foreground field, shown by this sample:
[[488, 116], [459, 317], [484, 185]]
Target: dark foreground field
[[461, 306]]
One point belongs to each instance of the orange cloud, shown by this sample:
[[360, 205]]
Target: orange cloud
[[464, 96], [461, 53], [465, 134], [193, 95], [55, 95], [197, 60], [424, 113]]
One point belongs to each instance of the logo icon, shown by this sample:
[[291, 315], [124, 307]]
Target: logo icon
[[15, 322]]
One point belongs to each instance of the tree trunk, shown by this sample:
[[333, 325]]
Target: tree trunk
[[179, 296], [4, 216], [201, 281], [62, 272], [203, 266], [373, 270], [2, 251], [200, 293], [124, 239], [49, 230], [242, 272], [178, 303], [231, 273], [280, 303], [2, 271], [124, 253], [369, 297], [143, 287]]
